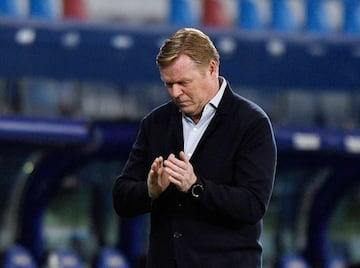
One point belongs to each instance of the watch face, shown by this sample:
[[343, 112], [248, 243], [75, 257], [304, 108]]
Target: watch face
[[196, 190]]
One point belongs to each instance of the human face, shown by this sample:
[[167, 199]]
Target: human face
[[190, 85]]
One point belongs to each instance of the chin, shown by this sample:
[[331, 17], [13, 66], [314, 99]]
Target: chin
[[187, 112]]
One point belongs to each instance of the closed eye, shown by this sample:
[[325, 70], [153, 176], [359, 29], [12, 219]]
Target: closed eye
[[180, 83]]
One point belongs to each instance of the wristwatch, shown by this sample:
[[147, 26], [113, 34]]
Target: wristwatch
[[196, 189]]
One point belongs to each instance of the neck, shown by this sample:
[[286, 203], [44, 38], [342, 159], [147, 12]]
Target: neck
[[196, 118]]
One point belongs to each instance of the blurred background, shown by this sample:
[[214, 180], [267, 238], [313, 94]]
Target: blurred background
[[76, 76]]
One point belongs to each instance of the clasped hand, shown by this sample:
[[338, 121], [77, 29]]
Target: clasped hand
[[178, 171]]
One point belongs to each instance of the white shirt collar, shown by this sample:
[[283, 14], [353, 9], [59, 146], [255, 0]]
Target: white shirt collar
[[217, 98]]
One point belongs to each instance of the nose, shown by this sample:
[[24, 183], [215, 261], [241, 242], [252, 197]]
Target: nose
[[175, 90]]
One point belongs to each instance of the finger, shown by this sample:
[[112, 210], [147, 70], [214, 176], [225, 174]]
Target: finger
[[158, 162], [173, 173], [151, 177], [183, 157], [175, 181], [154, 166], [171, 156], [177, 162], [170, 163], [171, 159], [173, 168]]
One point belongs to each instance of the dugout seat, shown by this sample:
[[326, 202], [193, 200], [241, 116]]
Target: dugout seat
[[17, 257], [292, 261], [63, 258], [111, 258]]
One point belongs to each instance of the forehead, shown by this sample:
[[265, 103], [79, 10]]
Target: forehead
[[181, 68]]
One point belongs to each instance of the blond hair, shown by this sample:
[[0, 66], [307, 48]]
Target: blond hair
[[191, 42]]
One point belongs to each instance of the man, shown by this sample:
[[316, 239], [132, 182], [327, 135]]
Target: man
[[203, 165]]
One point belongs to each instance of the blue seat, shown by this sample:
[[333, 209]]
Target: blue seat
[[336, 261], [111, 258], [8, 8], [320, 17], [284, 16], [18, 257], [42, 9], [64, 258], [352, 16], [250, 16], [292, 261], [181, 13]]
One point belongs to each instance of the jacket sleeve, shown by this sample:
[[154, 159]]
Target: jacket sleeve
[[246, 198], [130, 192]]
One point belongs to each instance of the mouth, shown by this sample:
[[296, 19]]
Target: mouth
[[184, 106], [181, 104]]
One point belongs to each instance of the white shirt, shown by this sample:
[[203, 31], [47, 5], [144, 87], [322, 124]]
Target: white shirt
[[193, 132]]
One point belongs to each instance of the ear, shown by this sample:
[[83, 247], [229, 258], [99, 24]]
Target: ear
[[213, 68]]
